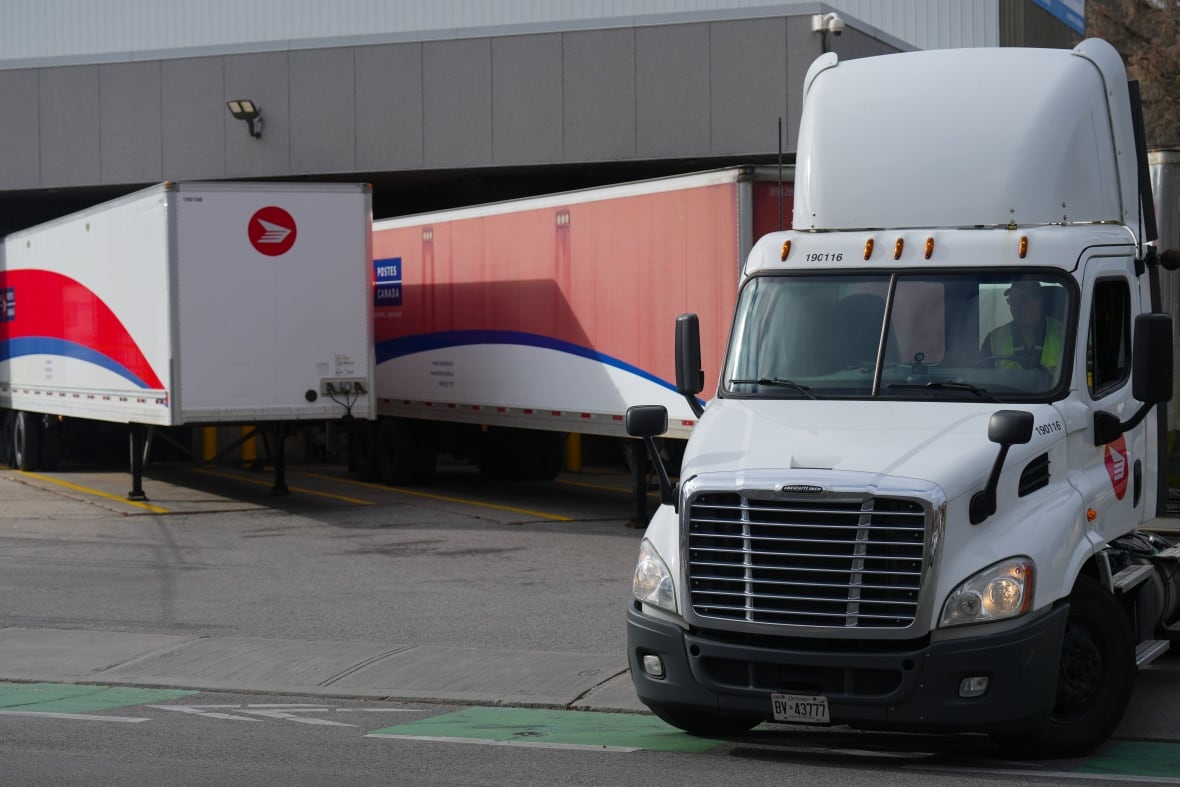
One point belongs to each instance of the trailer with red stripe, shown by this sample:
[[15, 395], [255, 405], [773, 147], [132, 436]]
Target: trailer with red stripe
[[187, 304], [502, 328]]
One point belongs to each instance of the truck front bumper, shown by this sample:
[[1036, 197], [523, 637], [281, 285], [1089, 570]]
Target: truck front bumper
[[912, 689]]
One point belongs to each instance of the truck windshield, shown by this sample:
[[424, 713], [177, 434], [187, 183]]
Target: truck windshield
[[984, 334]]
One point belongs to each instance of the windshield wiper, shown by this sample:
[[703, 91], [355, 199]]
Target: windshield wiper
[[980, 392], [803, 389]]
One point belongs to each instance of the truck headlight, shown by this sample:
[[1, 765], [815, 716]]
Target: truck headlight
[[1000, 591], [653, 582]]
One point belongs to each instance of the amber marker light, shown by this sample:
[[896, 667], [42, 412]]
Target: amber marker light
[[1023, 246], [897, 247], [786, 250], [868, 248], [1091, 515], [929, 247]]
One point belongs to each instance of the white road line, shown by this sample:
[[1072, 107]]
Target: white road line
[[527, 744], [73, 716]]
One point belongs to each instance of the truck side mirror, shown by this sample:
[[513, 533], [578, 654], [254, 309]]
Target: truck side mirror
[[1008, 428], [1151, 372], [690, 378], [648, 421]]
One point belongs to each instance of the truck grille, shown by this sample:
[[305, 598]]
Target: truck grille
[[811, 563]]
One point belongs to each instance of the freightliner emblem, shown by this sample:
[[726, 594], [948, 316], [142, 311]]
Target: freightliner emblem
[[801, 489]]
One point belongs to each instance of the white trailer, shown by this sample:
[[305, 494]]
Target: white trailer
[[186, 304]]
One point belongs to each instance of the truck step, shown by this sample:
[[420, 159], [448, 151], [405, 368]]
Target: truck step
[[1172, 553], [1131, 577], [1149, 650]]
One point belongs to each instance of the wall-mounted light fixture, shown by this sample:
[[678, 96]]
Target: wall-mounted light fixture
[[247, 110]]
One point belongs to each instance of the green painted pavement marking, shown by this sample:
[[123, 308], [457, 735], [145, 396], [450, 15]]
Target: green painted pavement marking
[[68, 698], [1136, 758], [551, 729]]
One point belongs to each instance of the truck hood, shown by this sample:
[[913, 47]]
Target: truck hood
[[941, 442]]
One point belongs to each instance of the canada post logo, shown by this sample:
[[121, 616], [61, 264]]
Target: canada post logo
[[272, 231], [801, 489], [387, 281]]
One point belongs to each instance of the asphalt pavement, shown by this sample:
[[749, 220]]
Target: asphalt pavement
[[388, 671]]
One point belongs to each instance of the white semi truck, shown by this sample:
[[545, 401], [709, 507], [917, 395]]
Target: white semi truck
[[187, 304], [925, 495]]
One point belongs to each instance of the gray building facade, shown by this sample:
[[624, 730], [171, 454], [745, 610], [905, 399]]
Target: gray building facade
[[432, 120]]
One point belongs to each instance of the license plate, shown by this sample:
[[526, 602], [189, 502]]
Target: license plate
[[800, 708]]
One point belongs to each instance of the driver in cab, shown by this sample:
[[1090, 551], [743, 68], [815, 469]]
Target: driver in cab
[[1032, 339]]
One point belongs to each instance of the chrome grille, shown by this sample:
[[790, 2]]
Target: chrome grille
[[806, 563]]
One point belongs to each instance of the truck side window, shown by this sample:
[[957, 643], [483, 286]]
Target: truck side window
[[1108, 345]]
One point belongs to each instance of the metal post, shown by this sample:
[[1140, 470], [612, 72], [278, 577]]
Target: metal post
[[137, 449], [280, 460]]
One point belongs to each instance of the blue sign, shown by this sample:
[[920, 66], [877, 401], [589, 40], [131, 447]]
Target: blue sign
[[1071, 12], [387, 282]]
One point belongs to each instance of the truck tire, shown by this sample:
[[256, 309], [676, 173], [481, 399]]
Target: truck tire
[[26, 441], [706, 724], [1094, 678]]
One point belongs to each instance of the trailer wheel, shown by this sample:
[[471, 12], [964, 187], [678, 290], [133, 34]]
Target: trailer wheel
[[26, 441], [1094, 678], [706, 724]]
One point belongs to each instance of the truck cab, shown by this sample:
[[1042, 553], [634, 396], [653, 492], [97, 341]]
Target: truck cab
[[920, 497]]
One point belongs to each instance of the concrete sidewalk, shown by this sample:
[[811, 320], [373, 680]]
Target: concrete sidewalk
[[582, 681]]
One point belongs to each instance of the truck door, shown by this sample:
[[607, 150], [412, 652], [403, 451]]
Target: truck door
[[1110, 476]]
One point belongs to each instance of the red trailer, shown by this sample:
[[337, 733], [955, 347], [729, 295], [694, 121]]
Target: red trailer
[[502, 328]]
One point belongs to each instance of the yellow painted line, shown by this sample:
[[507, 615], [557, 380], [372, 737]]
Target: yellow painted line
[[584, 485], [299, 489], [97, 493], [403, 491]]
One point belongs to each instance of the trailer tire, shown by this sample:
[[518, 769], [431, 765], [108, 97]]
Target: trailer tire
[[706, 724], [1094, 679], [26, 441]]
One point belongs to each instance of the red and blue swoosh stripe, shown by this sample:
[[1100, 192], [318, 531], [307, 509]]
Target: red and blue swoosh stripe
[[57, 315]]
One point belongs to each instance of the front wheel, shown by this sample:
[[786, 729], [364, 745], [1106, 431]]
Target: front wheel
[[706, 724], [1093, 679]]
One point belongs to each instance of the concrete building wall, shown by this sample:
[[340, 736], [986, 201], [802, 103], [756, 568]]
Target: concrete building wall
[[697, 90]]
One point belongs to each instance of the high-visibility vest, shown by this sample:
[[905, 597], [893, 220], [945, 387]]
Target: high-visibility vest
[[1002, 343]]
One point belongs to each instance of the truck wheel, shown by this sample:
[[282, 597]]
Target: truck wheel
[[1094, 678], [26, 441], [706, 724]]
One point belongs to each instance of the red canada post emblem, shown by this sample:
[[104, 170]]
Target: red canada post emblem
[[272, 231], [1117, 463]]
